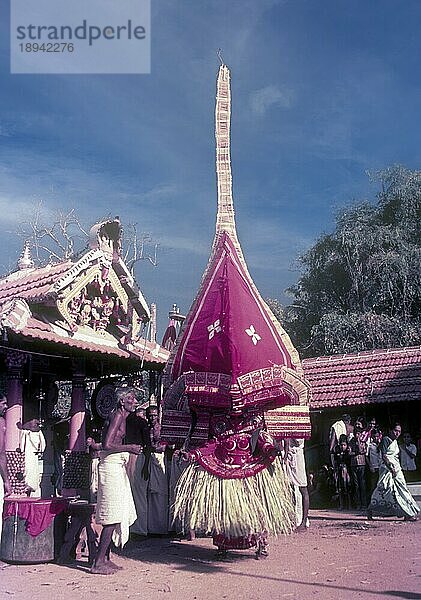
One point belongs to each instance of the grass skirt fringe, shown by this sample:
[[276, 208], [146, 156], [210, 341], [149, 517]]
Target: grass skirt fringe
[[258, 504]]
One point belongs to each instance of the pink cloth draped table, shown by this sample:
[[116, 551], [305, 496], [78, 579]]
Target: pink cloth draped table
[[38, 513]]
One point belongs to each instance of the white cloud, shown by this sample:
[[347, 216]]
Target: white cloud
[[265, 98]]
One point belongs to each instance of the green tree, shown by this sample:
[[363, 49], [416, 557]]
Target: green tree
[[359, 287]]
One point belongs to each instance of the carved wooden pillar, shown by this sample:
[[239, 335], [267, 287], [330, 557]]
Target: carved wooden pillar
[[77, 438], [15, 362]]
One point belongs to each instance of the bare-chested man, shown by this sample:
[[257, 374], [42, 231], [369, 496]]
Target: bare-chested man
[[5, 488], [115, 506]]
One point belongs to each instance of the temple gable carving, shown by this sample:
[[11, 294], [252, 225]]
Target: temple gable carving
[[97, 294], [97, 300]]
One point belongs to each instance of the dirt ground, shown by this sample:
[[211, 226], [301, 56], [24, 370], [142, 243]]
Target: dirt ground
[[341, 556]]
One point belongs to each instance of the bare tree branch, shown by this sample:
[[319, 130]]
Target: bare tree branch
[[55, 237], [136, 248]]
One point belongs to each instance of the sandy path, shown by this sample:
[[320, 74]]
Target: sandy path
[[340, 556]]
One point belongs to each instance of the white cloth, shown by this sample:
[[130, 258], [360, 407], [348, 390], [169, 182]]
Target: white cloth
[[32, 442], [295, 462], [295, 467], [392, 496], [298, 501], [338, 428], [408, 463], [93, 481], [115, 501]]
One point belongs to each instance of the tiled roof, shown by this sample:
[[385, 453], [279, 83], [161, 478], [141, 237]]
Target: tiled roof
[[20, 290], [366, 377], [31, 284], [148, 351], [143, 350]]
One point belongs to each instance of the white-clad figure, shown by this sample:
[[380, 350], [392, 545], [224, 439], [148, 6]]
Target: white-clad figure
[[296, 470], [32, 444]]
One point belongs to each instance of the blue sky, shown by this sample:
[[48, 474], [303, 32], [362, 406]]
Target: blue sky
[[322, 92]]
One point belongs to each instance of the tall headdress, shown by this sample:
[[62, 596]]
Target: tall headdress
[[232, 353]]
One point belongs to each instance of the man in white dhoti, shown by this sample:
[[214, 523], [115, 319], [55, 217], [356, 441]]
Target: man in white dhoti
[[5, 488], [296, 470], [115, 507], [32, 444]]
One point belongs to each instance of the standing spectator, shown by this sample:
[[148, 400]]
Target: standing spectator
[[296, 471], [368, 430], [138, 433], [374, 460], [360, 424], [156, 472], [341, 427], [418, 438], [391, 496], [358, 452], [32, 444], [417, 441], [407, 454], [342, 459]]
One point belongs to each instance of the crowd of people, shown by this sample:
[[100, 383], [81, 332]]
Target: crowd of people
[[370, 468], [367, 473], [134, 477], [134, 474]]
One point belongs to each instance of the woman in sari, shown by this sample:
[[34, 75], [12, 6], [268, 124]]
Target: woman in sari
[[391, 496]]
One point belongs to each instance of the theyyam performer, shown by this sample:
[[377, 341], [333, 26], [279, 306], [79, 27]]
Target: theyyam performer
[[234, 387]]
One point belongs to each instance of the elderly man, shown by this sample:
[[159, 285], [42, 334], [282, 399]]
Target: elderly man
[[115, 507], [5, 488]]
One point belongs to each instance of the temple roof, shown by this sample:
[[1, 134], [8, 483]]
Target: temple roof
[[92, 304], [38, 330], [32, 284], [376, 376]]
